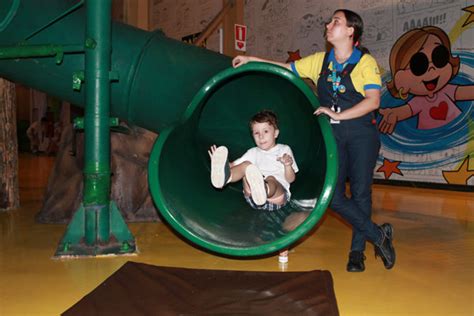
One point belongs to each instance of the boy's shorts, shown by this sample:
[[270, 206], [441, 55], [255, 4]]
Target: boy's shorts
[[268, 206]]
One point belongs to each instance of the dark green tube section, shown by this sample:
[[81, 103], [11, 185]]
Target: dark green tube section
[[194, 99], [158, 76]]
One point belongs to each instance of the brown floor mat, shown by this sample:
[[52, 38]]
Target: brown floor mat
[[142, 289]]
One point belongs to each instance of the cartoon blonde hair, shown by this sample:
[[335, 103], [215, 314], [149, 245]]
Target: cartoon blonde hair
[[409, 44]]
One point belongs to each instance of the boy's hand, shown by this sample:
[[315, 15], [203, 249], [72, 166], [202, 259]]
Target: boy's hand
[[286, 159], [211, 150]]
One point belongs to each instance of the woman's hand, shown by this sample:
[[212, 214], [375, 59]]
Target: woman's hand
[[240, 60], [324, 110]]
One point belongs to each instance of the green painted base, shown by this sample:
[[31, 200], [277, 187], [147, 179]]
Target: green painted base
[[74, 244]]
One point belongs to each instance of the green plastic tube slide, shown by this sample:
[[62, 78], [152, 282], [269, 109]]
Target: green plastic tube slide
[[221, 220]]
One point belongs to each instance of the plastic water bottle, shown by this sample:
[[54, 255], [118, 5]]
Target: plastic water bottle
[[283, 256]]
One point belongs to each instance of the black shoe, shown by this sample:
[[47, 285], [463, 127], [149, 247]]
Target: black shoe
[[356, 261], [385, 248]]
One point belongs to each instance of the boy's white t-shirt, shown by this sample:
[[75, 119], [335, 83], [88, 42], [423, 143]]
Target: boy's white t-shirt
[[266, 161]]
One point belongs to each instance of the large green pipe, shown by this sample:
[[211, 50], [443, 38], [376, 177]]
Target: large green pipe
[[158, 75], [96, 121], [193, 99]]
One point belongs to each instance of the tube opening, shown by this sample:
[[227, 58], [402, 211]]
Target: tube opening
[[221, 220]]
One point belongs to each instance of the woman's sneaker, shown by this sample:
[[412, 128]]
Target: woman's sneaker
[[257, 186], [356, 262], [220, 170], [384, 249]]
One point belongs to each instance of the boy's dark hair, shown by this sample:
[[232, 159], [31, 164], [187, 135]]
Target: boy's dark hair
[[265, 116]]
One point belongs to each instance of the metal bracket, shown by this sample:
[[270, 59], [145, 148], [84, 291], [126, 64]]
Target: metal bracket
[[77, 79]]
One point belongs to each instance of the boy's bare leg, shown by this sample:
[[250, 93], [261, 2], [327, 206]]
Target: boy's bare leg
[[275, 188], [223, 172], [294, 220], [238, 172]]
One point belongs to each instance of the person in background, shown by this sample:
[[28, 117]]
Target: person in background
[[55, 139], [37, 133]]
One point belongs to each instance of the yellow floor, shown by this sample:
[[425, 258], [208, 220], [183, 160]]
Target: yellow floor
[[434, 239]]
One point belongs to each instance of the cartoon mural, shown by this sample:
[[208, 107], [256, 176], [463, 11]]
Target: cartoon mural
[[426, 112], [427, 79]]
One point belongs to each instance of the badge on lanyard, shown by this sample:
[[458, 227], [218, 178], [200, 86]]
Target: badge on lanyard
[[336, 81], [336, 87]]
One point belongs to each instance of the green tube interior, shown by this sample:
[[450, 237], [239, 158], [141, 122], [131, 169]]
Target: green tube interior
[[221, 220]]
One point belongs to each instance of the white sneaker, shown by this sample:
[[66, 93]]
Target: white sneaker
[[257, 185], [220, 170]]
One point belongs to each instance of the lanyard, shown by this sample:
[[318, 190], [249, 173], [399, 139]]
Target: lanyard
[[336, 80], [338, 88], [336, 83]]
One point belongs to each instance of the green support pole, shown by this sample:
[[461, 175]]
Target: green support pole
[[97, 227], [96, 121], [104, 231]]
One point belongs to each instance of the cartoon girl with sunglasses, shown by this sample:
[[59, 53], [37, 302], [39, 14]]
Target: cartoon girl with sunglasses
[[422, 65]]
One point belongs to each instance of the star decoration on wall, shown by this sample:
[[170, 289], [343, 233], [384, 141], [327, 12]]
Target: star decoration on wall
[[389, 167], [470, 18], [460, 175], [292, 56]]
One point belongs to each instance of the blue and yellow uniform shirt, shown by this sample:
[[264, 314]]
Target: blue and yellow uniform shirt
[[341, 86], [365, 76]]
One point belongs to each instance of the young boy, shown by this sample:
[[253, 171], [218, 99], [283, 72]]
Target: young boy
[[267, 169]]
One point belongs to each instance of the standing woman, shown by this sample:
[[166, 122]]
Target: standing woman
[[348, 86]]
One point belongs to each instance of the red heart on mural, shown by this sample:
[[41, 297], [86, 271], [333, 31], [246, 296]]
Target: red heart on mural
[[439, 112], [240, 44]]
